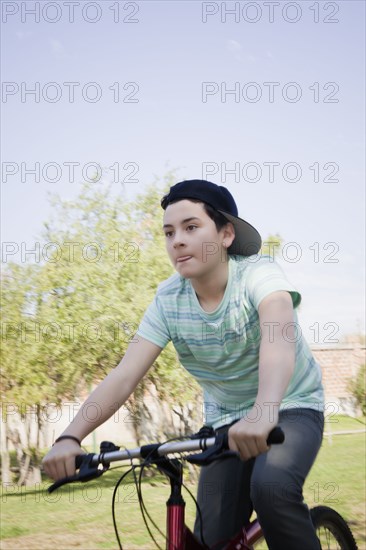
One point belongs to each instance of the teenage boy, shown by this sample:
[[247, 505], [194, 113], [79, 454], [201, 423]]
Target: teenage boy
[[231, 315]]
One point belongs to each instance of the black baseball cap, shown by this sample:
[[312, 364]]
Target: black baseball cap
[[247, 239]]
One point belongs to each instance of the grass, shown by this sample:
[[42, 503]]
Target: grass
[[337, 478], [79, 515]]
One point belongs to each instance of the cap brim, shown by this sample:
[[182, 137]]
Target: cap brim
[[247, 239]]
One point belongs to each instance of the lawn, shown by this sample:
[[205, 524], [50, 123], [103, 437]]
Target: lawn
[[79, 515]]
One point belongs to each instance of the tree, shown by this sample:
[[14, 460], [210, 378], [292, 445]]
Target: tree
[[24, 380], [271, 245]]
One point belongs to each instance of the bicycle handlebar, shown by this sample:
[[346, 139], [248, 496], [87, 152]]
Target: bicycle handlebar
[[213, 448]]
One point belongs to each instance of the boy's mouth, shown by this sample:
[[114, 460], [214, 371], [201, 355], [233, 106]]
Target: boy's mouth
[[183, 258]]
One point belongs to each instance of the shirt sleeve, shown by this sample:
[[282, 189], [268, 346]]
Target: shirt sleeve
[[153, 326], [266, 276]]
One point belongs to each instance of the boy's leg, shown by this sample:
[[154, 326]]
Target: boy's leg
[[277, 481], [223, 498]]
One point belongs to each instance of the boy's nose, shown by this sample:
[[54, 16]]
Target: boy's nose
[[178, 240]]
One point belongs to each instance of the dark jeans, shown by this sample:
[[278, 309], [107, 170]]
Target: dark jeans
[[271, 483]]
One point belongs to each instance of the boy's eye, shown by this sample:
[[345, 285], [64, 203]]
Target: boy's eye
[[169, 233]]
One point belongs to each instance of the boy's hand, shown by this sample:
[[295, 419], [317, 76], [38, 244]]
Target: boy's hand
[[249, 438], [59, 462]]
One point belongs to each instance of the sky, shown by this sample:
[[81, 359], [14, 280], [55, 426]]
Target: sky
[[266, 98]]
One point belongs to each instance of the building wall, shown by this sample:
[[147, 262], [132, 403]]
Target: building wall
[[339, 365]]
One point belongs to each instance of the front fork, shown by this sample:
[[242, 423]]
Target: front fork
[[175, 527], [178, 536], [181, 538]]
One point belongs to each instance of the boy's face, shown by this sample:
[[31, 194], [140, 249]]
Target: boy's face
[[193, 244]]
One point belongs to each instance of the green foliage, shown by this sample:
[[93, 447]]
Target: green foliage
[[71, 319], [23, 378], [358, 388], [271, 245]]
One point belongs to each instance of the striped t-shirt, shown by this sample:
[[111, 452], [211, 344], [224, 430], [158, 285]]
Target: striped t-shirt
[[221, 348]]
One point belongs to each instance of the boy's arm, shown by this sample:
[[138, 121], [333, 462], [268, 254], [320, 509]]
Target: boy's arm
[[277, 348], [276, 366], [108, 396]]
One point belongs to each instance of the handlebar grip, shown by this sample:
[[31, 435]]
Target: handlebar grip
[[79, 460], [275, 436], [87, 471]]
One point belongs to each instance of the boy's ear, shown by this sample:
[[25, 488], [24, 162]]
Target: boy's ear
[[230, 231]]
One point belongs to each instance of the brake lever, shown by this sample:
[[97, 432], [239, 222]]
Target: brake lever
[[217, 451], [87, 472]]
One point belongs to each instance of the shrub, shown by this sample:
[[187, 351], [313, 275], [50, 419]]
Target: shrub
[[358, 388]]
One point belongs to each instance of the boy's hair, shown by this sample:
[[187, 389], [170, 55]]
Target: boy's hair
[[219, 220]]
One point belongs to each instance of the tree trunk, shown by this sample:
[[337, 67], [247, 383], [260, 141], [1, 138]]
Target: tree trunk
[[5, 456], [34, 474]]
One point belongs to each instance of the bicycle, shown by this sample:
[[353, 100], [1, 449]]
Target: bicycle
[[332, 530]]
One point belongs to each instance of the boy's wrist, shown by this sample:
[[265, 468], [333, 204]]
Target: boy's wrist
[[267, 410], [72, 437]]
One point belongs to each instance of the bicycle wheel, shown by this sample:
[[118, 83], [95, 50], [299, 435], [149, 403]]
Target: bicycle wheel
[[331, 529]]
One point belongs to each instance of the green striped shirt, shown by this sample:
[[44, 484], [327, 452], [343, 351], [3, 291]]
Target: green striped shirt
[[221, 348]]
